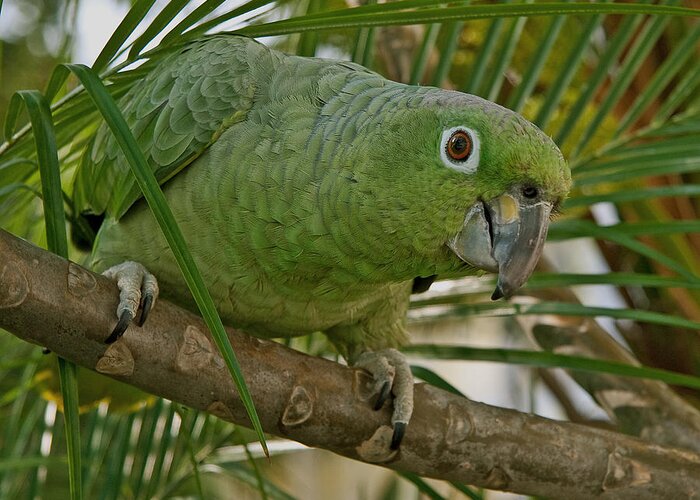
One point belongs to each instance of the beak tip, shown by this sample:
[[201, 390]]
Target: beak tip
[[497, 293]]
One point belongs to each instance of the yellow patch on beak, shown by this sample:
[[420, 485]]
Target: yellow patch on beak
[[507, 210]]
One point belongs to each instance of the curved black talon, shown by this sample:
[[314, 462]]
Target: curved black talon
[[121, 327], [397, 437], [383, 396], [145, 308]]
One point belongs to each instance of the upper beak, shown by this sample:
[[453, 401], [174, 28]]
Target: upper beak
[[507, 235]]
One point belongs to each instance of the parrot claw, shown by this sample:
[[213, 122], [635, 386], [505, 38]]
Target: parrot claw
[[392, 374], [383, 395], [138, 289], [146, 306], [121, 327], [397, 437]]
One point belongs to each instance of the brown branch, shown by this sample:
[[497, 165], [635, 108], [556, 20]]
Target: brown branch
[[564, 398], [640, 407], [54, 303]]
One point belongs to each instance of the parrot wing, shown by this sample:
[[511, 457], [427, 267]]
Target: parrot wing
[[175, 113]]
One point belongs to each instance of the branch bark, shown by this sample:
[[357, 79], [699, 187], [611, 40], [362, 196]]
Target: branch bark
[[55, 303], [645, 408]]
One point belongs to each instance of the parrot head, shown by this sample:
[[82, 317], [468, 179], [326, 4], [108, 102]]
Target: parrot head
[[483, 182]]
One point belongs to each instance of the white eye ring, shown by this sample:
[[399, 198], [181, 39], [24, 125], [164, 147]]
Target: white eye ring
[[471, 163]]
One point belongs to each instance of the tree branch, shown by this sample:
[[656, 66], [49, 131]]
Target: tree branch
[[51, 302], [640, 407]]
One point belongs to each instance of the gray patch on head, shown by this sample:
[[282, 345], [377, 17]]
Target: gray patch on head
[[505, 123], [453, 98], [503, 119]]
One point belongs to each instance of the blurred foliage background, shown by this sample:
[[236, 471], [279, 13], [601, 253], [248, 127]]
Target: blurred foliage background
[[618, 93]]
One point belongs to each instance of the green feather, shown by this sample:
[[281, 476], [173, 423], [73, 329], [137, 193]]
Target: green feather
[[311, 192]]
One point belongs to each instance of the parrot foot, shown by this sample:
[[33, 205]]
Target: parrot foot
[[137, 289], [392, 374]]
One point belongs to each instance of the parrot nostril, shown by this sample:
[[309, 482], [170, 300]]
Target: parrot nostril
[[530, 192]]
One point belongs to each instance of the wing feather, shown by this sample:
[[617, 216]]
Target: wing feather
[[175, 112]]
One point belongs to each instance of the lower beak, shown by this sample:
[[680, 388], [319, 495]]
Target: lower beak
[[507, 235]]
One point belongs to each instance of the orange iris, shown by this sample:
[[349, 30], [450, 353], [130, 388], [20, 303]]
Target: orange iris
[[459, 147]]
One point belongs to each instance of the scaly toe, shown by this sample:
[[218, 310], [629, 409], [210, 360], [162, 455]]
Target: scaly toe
[[392, 374], [138, 289]]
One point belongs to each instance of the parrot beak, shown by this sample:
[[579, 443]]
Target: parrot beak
[[504, 235]]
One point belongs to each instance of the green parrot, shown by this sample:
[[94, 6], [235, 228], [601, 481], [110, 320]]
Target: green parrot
[[315, 195]]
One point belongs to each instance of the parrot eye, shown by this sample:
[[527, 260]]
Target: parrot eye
[[459, 146], [459, 149]]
